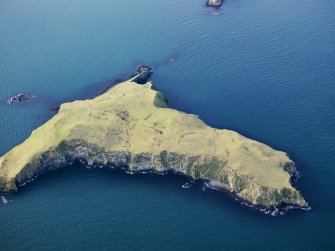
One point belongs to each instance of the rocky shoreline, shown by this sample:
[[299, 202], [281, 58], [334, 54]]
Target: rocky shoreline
[[211, 184], [125, 161], [271, 210]]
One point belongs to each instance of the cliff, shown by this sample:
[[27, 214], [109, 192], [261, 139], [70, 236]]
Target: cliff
[[130, 126]]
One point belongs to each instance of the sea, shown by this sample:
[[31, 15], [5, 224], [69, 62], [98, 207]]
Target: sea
[[263, 68]]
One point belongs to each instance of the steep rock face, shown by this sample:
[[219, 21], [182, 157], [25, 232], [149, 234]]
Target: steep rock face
[[131, 127]]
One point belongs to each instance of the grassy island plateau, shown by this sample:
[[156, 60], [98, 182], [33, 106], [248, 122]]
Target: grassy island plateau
[[131, 127]]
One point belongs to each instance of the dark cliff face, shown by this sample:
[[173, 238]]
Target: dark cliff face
[[195, 167]]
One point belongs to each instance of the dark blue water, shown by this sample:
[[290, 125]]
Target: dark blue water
[[264, 68]]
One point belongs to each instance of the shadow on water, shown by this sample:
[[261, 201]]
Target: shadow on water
[[91, 91], [95, 89], [52, 103], [103, 85]]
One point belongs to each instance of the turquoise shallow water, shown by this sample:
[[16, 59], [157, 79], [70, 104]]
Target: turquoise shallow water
[[264, 68]]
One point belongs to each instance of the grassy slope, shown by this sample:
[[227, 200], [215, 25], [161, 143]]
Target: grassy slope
[[147, 126]]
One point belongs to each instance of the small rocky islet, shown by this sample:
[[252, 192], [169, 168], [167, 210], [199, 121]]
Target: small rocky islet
[[21, 97], [131, 127], [214, 3]]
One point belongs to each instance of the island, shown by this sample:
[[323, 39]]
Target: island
[[214, 3], [131, 127]]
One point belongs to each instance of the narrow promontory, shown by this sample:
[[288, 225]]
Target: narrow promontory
[[130, 126]]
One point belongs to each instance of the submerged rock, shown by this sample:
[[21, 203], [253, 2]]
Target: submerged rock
[[131, 127], [5, 200], [21, 97]]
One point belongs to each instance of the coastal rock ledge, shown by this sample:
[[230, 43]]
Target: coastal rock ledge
[[131, 127]]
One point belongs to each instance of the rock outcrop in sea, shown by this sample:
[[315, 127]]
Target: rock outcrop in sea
[[21, 97], [214, 3], [131, 127]]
